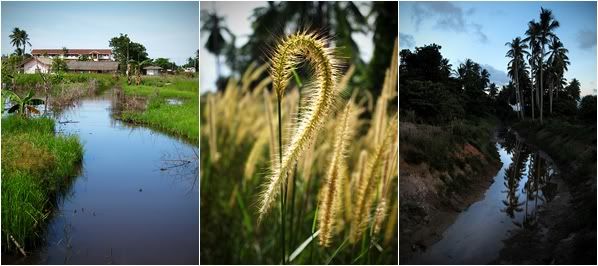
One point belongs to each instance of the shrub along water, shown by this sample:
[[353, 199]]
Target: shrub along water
[[173, 105], [36, 164]]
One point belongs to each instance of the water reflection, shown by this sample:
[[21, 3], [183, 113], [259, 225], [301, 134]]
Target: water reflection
[[526, 181]]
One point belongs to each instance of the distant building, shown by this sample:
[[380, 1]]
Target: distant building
[[189, 69], [37, 64], [74, 54], [92, 66], [44, 65], [152, 70]]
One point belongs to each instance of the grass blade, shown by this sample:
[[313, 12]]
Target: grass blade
[[337, 250], [303, 245]]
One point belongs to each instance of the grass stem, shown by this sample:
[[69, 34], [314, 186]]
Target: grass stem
[[283, 184]]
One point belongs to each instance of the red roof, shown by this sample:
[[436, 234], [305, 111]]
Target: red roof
[[71, 51]]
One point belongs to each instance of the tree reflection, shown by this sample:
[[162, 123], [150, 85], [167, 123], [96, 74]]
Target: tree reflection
[[538, 188], [513, 175]]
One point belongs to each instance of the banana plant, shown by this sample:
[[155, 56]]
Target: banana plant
[[23, 105], [138, 66]]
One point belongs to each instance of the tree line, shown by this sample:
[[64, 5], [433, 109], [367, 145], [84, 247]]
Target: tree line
[[339, 19], [124, 50], [432, 92]]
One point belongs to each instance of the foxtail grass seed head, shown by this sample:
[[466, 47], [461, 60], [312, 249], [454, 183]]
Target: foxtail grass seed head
[[270, 121], [380, 215], [389, 232], [286, 56], [260, 86], [359, 172], [334, 180], [368, 183], [255, 155], [214, 155]]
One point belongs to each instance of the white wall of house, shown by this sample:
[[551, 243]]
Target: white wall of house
[[31, 67], [76, 56], [153, 72]]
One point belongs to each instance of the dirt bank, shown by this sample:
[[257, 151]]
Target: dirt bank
[[431, 196]]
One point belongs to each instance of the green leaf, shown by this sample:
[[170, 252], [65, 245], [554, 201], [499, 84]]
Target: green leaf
[[12, 96], [28, 96], [303, 245], [14, 108], [337, 251], [36, 101]]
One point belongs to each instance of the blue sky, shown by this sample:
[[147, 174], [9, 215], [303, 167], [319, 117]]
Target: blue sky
[[479, 30], [166, 29]]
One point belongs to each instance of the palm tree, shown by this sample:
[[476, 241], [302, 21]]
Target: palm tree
[[558, 61], [533, 33], [25, 41], [516, 52], [485, 78], [492, 91], [16, 39], [573, 89], [214, 25], [547, 25]]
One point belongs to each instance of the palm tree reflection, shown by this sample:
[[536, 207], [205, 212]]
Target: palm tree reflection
[[538, 188]]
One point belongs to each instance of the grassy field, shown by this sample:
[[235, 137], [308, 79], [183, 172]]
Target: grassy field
[[180, 118], [36, 166]]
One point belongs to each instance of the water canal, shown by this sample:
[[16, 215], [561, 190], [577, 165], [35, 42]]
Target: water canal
[[135, 201]]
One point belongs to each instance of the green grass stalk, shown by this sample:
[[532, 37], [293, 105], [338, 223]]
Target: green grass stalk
[[282, 184]]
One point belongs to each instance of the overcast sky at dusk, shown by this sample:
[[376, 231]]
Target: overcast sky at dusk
[[479, 31]]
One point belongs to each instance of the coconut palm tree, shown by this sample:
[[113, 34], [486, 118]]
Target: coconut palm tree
[[25, 41], [533, 33], [516, 52], [214, 26], [558, 61], [16, 39], [547, 25], [485, 78]]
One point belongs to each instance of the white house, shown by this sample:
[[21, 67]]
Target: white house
[[37, 64], [74, 54], [44, 64], [189, 70], [152, 70]]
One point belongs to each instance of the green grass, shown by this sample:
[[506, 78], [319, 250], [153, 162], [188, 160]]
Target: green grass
[[565, 142], [36, 166], [181, 120]]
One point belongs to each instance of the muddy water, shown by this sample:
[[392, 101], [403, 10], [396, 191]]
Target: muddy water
[[136, 200], [527, 180]]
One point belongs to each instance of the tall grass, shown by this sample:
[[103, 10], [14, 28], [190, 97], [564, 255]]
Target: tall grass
[[36, 166], [241, 125], [179, 119]]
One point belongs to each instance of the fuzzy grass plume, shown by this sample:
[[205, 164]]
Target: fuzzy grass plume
[[368, 183], [334, 180], [287, 55]]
